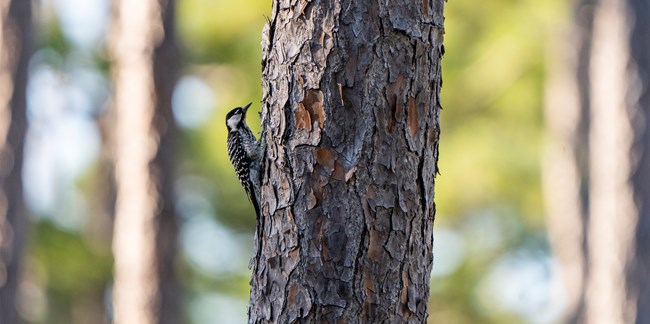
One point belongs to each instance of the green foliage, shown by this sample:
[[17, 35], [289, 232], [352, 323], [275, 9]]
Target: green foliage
[[493, 74], [74, 270], [51, 36]]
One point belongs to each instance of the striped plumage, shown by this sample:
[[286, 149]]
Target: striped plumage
[[243, 151]]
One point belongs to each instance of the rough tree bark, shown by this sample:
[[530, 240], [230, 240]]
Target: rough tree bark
[[351, 126], [15, 40], [145, 232]]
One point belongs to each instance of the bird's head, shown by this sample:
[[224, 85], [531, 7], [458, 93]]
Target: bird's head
[[236, 116]]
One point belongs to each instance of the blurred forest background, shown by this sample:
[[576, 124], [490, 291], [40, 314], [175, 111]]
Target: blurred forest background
[[493, 262]]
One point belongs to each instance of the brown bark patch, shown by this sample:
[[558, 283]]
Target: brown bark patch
[[433, 135], [366, 310], [394, 92], [371, 193], [403, 297], [339, 171], [414, 126], [291, 298], [371, 295], [425, 7], [329, 160], [313, 102], [293, 259], [369, 286], [298, 302], [317, 187], [326, 158], [302, 118], [375, 246]]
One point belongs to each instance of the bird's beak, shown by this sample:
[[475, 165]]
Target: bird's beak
[[246, 107]]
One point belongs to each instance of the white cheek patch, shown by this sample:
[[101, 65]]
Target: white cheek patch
[[233, 121]]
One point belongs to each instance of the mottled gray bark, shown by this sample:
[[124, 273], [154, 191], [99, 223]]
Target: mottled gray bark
[[15, 40], [145, 232], [351, 126]]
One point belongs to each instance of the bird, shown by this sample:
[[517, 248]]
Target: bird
[[244, 153]]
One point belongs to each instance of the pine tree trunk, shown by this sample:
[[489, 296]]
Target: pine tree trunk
[[144, 244], [351, 126], [15, 42]]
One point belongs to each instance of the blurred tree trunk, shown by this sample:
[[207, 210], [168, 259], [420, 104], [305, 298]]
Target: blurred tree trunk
[[618, 285], [145, 232], [639, 269], [566, 155], [351, 125], [15, 42]]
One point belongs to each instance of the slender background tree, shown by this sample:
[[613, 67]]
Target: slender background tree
[[638, 270], [612, 212], [15, 50], [145, 231], [565, 166], [612, 285], [351, 126]]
